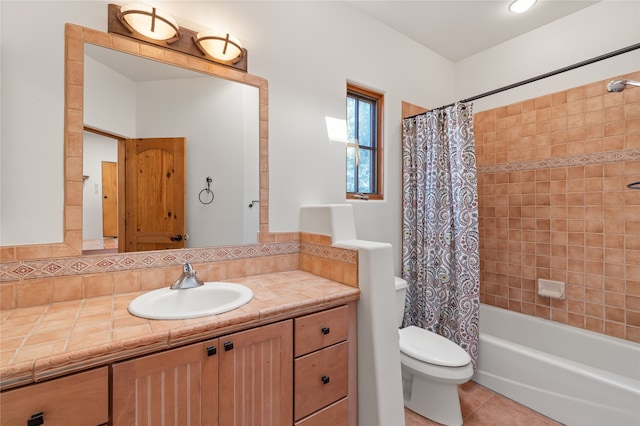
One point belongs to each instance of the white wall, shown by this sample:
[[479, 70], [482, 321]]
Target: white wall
[[109, 99], [604, 27], [219, 120], [307, 51], [96, 150], [210, 114], [251, 190]]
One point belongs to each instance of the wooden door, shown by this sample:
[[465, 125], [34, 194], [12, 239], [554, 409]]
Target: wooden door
[[178, 387], [155, 194], [256, 376], [109, 199]]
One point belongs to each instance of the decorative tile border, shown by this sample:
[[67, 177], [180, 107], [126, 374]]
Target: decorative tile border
[[578, 160], [49, 268], [331, 253]]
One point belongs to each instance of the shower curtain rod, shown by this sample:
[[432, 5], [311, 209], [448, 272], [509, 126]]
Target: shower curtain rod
[[542, 76]]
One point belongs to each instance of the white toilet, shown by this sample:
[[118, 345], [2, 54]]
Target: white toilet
[[432, 369]]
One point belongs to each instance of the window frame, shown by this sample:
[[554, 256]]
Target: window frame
[[377, 143]]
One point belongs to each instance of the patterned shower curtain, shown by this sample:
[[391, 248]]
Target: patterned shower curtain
[[440, 247]]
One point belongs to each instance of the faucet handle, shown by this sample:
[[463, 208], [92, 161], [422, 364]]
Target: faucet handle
[[187, 269], [188, 279]]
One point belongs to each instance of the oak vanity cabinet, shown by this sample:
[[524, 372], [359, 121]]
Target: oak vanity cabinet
[[241, 378], [321, 368], [80, 399]]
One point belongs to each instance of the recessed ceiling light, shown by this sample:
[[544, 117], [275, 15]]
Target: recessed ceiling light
[[521, 6]]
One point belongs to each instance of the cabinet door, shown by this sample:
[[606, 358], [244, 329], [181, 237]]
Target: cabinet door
[[256, 376], [176, 387], [81, 399]]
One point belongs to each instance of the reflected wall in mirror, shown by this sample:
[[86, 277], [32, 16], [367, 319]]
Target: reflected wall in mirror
[[75, 39], [129, 97]]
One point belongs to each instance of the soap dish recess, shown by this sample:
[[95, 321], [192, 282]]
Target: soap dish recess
[[552, 289]]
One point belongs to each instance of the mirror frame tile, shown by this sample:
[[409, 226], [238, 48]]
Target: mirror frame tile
[[75, 37]]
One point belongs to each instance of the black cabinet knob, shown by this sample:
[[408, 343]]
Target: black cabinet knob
[[326, 330], [36, 420], [211, 350], [228, 346], [325, 379]]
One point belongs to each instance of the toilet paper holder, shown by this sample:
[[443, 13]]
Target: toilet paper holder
[[550, 288]]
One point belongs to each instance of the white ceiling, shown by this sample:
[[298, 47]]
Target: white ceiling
[[457, 29]]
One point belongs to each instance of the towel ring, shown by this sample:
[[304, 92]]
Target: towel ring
[[204, 195]]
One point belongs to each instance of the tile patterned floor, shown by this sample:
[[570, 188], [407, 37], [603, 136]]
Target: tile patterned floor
[[483, 407]]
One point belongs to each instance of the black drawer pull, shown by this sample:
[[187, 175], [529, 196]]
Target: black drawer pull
[[211, 350], [36, 420], [325, 379], [326, 330], [228, 346]]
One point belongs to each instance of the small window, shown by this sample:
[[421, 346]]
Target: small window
[[364, 143]]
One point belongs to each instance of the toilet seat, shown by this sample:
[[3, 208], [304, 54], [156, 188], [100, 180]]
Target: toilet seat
[[429, 347]]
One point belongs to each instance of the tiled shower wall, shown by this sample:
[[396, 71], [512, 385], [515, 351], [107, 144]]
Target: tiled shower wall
[[554, 203]]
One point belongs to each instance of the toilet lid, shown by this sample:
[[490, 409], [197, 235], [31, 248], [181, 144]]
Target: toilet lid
[[432, 348]]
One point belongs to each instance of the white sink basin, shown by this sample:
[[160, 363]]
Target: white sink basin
[[209, 299]]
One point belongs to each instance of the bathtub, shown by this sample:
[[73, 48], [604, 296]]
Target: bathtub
[[574, 376]]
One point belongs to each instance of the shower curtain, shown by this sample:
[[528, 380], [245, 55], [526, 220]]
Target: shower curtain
[[440, 252]]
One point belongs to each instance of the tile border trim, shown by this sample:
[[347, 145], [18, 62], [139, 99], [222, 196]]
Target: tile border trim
[[66, 266], [338, 254], [577, 160]]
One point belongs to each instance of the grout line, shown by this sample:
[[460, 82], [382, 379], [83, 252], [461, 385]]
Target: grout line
[[493, 396]]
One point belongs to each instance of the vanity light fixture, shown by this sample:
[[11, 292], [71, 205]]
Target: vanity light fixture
[[216, 47], [149, 22], [521, 6], [220, 46]]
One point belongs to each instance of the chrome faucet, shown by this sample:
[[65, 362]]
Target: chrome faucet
[[187, 280]]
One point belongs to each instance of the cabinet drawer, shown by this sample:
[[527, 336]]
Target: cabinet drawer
[[80, 399], [320, 379], [337, 414], [317, 331]]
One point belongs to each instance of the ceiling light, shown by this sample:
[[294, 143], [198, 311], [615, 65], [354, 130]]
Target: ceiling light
[[220, 46], [149, 22], [521, 6]]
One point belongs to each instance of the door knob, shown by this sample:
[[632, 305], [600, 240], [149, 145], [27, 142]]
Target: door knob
[[177, 238]]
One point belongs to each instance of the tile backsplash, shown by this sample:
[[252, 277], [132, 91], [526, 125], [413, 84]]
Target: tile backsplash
[[554, 203], [42, 281]]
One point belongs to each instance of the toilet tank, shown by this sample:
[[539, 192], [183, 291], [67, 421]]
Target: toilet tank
[[401, 292]]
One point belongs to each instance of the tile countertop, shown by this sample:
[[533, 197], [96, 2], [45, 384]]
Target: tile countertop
[[43, 342]]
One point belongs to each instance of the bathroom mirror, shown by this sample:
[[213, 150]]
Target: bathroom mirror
[[76, 37], [127, 97]]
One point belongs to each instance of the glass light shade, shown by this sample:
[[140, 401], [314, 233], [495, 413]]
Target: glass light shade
[[149, 21], [220, 46], [521, 6]]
